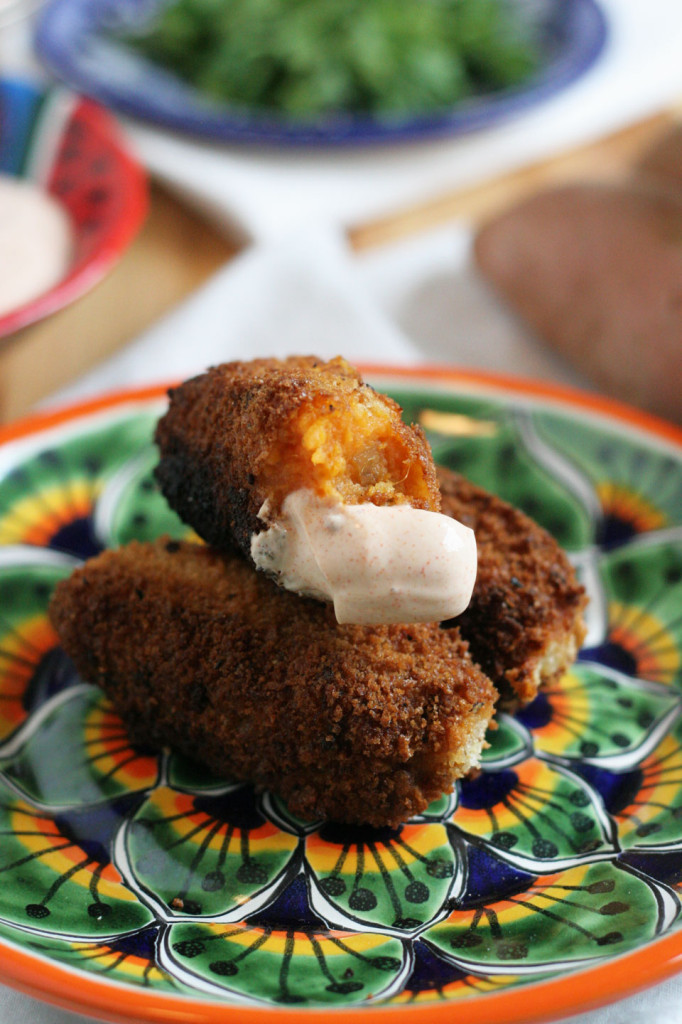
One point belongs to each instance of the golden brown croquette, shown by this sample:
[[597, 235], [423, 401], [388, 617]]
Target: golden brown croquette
[[249, 432], [525, 620], [200, 653]]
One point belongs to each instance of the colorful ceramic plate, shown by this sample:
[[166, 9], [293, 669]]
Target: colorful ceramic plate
[[74, 39], [136, 887], [73, 148]]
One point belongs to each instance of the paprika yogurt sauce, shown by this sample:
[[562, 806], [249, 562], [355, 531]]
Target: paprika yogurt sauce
[[376, 564], [35, 242]]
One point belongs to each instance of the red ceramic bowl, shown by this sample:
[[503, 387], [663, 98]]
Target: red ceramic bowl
[[74, 149]]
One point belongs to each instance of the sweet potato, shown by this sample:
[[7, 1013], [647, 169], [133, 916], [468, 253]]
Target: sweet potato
[[596, 270], [662, 162]]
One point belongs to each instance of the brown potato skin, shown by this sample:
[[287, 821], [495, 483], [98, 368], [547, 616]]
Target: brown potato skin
[[662, 162], [525, 623], [596, 271], [200, 653], [220, 427]]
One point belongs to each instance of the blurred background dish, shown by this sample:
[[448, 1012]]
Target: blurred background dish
[[81, 41], [70, 149]]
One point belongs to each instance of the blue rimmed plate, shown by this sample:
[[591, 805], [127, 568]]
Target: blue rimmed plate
[[74, 39]]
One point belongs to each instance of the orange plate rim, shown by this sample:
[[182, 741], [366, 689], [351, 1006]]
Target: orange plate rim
[[545, 1001]]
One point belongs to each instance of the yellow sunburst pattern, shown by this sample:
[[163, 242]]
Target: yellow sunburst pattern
[[643, 584], [50, 867], [28, 667]]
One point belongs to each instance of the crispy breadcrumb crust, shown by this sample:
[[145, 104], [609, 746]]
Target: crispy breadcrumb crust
[[223, 431], [525, 621], [198, 652]]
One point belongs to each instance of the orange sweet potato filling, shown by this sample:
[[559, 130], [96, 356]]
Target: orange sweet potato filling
[[348, 450]]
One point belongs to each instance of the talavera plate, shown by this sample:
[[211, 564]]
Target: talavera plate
[[135, 887]]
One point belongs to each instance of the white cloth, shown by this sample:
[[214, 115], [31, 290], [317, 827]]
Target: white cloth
[[419, 301], [263, 192], [295, 294], [416, 302]]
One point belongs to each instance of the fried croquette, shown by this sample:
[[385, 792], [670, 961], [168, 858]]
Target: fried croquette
[[525, 623], [245, 435], [200, 653]]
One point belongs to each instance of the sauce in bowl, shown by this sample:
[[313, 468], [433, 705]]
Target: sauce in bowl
[[36, 242]]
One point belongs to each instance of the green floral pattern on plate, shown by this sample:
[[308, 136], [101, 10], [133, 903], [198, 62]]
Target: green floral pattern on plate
[[398, 881], [290, 967], [643, 585], [507, 743], [58, 877], [207, 855], [566, 850], [639, 486], [131, 959], [131, 506], [500, 461], [600, 906], [27, 641], [535, 812], [90, 756]]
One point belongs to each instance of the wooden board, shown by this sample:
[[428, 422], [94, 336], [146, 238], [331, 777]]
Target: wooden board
[[177, 250]]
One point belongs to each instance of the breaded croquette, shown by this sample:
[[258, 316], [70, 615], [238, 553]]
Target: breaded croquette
[[249, 433], [525, 620], [200, 653]]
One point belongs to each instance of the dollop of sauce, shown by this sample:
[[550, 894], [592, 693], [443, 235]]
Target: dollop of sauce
[[376, 564], [35, 242]]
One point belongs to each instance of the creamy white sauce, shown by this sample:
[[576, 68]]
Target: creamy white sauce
[[376, 564], [35, 242]]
